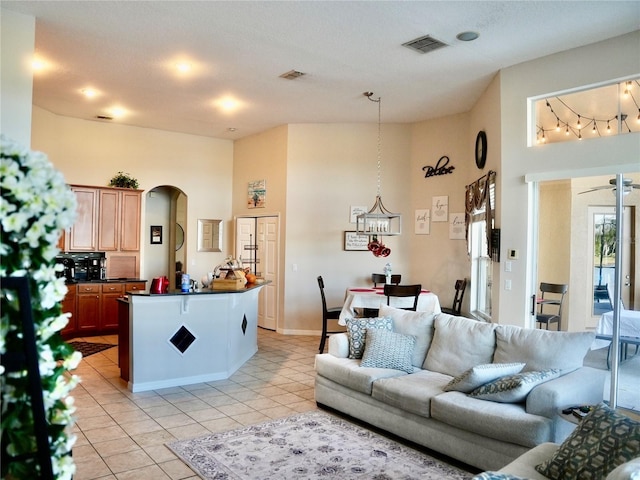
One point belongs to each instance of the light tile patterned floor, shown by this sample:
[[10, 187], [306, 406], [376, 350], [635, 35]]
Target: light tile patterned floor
[[121, 435]]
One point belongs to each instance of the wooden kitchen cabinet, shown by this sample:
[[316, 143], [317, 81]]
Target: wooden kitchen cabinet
[[83, 233], [69, 306], [88, 305], [111, 292], [119, 220]]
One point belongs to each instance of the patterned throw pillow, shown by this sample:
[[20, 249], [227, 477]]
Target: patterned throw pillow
[[496, 476], [481, 374], [357, 332], [513, 388], [603, 440], [386, 349]]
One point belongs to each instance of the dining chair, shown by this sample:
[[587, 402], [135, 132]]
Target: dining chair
[[377, 278], [558, 290], [456, 307], [332, 313], [403, 291]]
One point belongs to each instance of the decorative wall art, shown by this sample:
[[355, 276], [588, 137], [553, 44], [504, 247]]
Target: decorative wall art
[[456, 226], [354, 211], [209, 235], [441, 168], [354, 241], [256, 194], [156, 235], [440, 209], [423, 222]]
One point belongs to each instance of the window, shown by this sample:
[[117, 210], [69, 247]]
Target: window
[[480, 197]]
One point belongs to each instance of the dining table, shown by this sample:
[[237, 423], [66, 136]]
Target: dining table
[[374, 298], [629, 332]]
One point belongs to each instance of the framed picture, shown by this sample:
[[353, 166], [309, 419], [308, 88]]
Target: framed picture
[[456, 226], [423, 222], [256, 194], [354, 211], [156, 234], [354, 241], [440, 209]]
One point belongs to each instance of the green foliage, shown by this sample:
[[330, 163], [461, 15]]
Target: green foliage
[[123, 180]]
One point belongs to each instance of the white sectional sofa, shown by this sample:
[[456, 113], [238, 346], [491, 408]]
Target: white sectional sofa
[[419, 401]]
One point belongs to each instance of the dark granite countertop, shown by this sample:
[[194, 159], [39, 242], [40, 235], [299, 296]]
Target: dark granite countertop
[[202, 291], [113, 280]]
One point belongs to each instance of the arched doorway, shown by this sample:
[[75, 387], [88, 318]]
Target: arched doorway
[[166, 207]]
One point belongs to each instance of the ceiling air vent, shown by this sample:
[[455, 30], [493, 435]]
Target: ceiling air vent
[[104, 117], [424, 44], [291, 75]]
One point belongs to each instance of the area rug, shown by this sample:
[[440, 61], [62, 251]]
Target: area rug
[[311, 445], [89, 348]]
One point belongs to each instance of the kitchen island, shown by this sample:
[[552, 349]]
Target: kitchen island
[[177, 338]]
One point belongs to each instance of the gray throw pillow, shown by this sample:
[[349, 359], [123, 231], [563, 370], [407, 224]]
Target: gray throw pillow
[[418, 324], [459, 344], [513, 388], [385, 349], [602, 441], [481, 374], [357, 332]]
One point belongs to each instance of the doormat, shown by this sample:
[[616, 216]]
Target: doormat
[[311, 445], [89, 348]]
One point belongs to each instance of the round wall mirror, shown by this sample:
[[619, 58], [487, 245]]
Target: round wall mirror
[[179, 237]]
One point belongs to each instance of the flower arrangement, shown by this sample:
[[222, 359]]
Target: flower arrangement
[[123, 180], [35, 207]]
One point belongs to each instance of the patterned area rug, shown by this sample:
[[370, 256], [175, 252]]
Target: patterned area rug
[[89, 348], [312, 445]]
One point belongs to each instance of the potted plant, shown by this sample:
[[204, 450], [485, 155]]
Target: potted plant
[[123, 180]]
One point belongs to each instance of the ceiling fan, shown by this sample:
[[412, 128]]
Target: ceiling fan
[[627, 186]]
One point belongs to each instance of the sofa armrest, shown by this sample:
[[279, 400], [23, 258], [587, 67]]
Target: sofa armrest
[[339, 345], [584, 386]]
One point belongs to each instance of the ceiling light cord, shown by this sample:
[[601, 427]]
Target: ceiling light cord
[[379, 146]]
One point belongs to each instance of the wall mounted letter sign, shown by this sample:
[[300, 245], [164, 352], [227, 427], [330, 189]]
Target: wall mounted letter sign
[[441, 168]]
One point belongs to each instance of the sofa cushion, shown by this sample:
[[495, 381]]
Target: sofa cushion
[[348, 372], [627, 471], [418, 324], [385, 349], [525, 465], [513, 388], [458, 344], [411, 393], [541, 349], [507, 422], [496, 476], [481, 374], [357, 331], [603, 440]]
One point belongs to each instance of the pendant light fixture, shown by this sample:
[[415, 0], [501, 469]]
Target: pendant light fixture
[[378, 221]]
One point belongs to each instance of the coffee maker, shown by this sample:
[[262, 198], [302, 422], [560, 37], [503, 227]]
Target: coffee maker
[[96, 268], [69, 269]]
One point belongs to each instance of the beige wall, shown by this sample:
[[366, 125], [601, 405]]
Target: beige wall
[[17, 39], [91, 152], [589, 65]]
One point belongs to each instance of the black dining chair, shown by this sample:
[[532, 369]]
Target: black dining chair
[[461, 286], [377, 278], [404, 291], [558, 290], [332, 313]]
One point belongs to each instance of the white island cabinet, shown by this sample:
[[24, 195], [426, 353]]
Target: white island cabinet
[[185, 338]]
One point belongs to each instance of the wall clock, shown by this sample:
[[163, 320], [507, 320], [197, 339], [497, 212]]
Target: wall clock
[[481, 149]]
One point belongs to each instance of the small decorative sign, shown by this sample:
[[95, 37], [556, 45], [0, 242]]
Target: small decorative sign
[[440, 209], [441, 168], [354, 241], [156, 234], [256, 194], [423, 222], [456, 226], [355, 211]]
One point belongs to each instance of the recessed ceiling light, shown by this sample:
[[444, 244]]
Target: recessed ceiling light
[[231, 129], [291, 75], [228, 104], [89, 92], [118, 112], [467, 36], [183, 67], [38, 64]]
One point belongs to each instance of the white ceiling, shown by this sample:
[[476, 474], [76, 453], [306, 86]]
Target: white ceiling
[[126, 50]]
